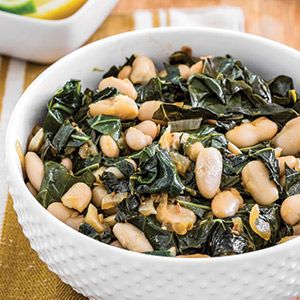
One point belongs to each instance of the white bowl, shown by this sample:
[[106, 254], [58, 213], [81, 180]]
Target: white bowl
[[45, 41], [100, 271]]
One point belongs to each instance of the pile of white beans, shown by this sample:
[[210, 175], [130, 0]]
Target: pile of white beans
[[81, 204]]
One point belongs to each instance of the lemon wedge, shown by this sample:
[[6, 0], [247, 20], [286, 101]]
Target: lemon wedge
[[56, 9], [19, 7]]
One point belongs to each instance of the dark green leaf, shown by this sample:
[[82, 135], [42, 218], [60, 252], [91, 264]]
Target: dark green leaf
[[197, 238], [114, 70], [113, 184], [232, 168], [105, 237], [185, 125], [150, 91], [125, 167], [91, 163], [163, 176], [62, 136], [66, 101], [159, 253], [198, 209], [128, 208], [57, 181], [108, 92], [159, 238], [271, 215], [267, 156], [180, 57], [292, 182], [224, 242], [77, 139], [171, 112], [280, 88], [106, 125]]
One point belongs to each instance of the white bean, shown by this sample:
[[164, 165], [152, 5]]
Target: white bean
[[131, 238], [137, 140], [117, 244], [98, 193], [250, 134], [184, 71], [288, 138], [196, 255], [67, 163], [226, 203], [290, 161], [109, 147], [256, 180], [34, 169], [32, 190], [193, 150], [120, 106], [125, 72], [290, 210], [37, 141], [148, 127], [196, 68], [20, 154], [124, 86], [143, 69], [116, 172], [296, 229], [78, 196], [147, 110], [167, 139], [277, 152], [208, 172], [75, 222], [61, 212]]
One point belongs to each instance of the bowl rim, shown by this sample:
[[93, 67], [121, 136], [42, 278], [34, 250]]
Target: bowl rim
[[12, 163]]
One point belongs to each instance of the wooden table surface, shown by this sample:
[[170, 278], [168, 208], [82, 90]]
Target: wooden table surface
[[274, 19]]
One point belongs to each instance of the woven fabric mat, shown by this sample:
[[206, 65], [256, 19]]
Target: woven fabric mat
[[22, 274]]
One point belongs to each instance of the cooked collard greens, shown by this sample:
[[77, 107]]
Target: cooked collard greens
[[198, 159]]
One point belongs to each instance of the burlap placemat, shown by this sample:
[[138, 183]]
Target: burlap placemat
[[23, 275]]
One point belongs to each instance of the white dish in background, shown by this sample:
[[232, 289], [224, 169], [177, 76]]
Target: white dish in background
[[103, 272], [45, 41]]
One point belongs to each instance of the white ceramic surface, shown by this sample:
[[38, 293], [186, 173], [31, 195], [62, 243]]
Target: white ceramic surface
[[103, 272], [45, 41]]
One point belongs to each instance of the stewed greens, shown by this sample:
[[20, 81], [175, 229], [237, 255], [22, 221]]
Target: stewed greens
[[199, 159]]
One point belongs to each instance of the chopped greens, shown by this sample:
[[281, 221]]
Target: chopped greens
[[172, 175]]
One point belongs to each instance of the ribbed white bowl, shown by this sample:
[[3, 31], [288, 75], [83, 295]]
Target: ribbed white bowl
[[103, 272]]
